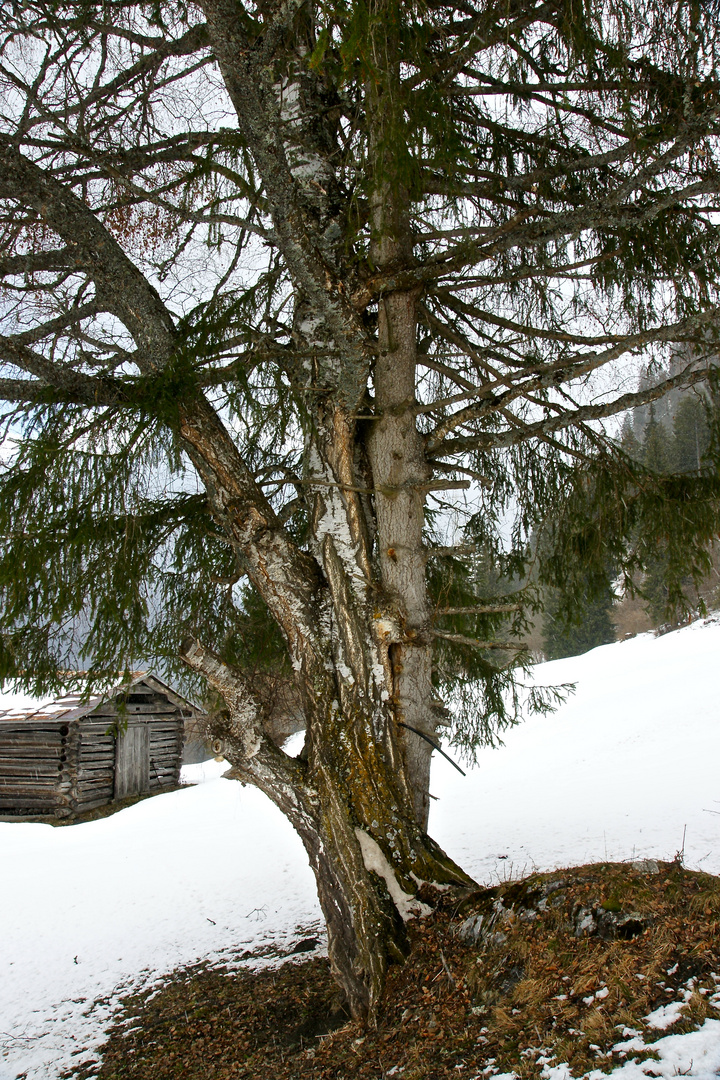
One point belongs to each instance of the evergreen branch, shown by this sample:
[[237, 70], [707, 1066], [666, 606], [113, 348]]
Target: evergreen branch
[[34, 392], [479, 609], [478, 354], [433, 743], [565, 370], [471, 311], [561, 271], [515, 234], [71, 385], [454, 550], [388, 489], [529, 89], [689, 376], [444, 369], [480, 34], [480, 478]]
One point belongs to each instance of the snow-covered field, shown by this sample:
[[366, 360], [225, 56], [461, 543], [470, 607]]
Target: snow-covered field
[[624, 770]]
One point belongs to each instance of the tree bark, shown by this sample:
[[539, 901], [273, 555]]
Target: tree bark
[[397, 453], [374, 866], [400, 472], [355, 622]]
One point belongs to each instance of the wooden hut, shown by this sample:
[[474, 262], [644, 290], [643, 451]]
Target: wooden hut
[[70, 756]]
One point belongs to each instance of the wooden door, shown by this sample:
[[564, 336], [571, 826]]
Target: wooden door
[[132, 761]]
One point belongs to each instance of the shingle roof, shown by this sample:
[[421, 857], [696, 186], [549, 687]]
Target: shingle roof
[[74, 706]]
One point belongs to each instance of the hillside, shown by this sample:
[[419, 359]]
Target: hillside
[[625, 770]]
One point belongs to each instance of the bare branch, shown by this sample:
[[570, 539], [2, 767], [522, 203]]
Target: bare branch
[[121, 287], [689, 376], [245, 711], [39, 262], [461, 639]]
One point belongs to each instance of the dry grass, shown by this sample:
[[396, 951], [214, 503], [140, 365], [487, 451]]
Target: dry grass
[[537, 990]]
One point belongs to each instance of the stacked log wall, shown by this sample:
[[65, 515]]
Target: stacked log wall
[[166, 743], [37, 767], [96, 763], [166, 732]]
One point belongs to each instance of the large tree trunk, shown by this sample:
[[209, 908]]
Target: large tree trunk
[[350, 796], [353, 609], [400, 474], [375, 867]]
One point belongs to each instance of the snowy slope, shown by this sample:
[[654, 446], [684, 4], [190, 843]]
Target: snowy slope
[[210, 871], [618, 772]]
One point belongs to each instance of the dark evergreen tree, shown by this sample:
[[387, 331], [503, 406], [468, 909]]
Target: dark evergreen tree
[[278, 276], [657, 449], [629, 443], [682, 451], [590, 624], [691, 435]]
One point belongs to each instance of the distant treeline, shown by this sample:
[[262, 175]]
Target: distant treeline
[[677, 443]]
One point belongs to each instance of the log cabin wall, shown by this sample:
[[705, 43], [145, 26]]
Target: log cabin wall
[[96, 763], [38, 767], [114, 766]]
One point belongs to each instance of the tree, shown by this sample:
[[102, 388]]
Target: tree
[[682, 450], [591, 626], [657, 450], [691, 435], [279, 275]]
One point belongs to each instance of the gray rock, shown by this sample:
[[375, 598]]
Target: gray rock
[[608, 925], [646, 866]]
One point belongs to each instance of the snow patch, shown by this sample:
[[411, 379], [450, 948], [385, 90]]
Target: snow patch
[[665, 1016], [376, 862], [634, 753], [204, 771], [90, 911]]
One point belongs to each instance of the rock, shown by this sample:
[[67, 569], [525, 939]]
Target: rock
[[479, 928], [624, 927], [646, 866], [608, 925], [584, 922], [517, 902], [306, 945]]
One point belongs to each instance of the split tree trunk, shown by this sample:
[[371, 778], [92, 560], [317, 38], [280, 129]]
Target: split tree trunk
[[374, 866], [362, 668], [353, 609]]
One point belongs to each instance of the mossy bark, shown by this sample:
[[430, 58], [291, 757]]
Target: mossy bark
[[348, 799]]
